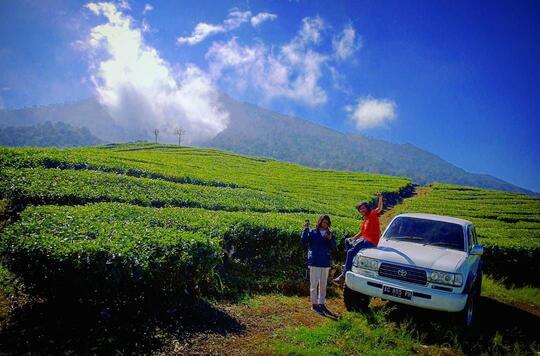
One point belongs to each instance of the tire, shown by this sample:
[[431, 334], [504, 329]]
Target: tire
[[355, 301], [469, 314]]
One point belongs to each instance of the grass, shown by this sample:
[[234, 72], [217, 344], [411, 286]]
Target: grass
[[353, 334], [499, 290], [402, 330]]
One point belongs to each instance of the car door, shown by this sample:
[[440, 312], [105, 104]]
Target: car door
[[473, 261]]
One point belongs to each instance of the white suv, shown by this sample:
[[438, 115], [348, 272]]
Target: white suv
[[425, 260]]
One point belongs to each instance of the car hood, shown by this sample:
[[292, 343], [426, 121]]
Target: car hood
[[415, 254]]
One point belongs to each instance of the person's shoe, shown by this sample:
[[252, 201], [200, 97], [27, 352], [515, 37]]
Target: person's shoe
[[317, 309], [326, 311], [340, 279]]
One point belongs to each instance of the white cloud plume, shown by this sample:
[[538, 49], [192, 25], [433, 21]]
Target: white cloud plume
[[147, 8], [140, 90], [370, 113], [292, 72], [345, 44], [262, 17], [204, 30]]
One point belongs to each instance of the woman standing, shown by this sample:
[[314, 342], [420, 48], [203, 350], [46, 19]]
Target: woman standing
[[320, 243]]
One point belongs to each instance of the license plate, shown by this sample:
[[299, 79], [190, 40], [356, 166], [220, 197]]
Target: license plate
[[396, 292]]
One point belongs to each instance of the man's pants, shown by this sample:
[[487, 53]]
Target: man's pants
[[318, 277], [353, 247]]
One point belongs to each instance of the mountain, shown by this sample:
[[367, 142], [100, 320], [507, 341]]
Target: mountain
[[260, 132], [58, 134]]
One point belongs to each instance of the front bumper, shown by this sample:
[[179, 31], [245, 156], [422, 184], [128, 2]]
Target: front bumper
[[423, 297]]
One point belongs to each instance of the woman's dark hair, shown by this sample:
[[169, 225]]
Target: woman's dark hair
[[323, 217], [364, 203]]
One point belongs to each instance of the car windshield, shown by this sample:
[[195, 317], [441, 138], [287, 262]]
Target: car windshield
[[427, 232]]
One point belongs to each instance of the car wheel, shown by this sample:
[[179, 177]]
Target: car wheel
[[470, 312], [355, 301]]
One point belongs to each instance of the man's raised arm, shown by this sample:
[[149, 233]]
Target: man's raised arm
[[380, 204]]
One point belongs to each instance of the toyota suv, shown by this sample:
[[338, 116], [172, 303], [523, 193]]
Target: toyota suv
[[424, 260]]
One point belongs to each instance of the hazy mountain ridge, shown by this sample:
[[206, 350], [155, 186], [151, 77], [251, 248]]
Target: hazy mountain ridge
[[260, 132], [47, 134], [85, 113]]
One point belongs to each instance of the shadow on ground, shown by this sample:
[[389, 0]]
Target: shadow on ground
[[501, 328], [47, 328]]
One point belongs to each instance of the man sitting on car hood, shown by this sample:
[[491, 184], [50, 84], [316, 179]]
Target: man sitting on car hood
[[367, 237]]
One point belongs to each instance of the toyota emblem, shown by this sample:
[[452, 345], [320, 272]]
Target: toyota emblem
[[402, 272]]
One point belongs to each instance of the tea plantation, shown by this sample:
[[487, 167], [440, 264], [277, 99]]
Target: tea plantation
[[132, 223], [135, 223]]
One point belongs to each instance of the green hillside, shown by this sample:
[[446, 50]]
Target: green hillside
[[150, 220], [106, 223]]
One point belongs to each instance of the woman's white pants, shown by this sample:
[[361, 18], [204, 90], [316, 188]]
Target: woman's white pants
[[318, 277]]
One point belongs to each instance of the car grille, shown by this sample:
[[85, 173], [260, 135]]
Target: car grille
[[407, 274]]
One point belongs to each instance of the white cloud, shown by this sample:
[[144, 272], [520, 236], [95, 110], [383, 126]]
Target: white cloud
[[201, 31], [147, 8], [370, 113], [311, 30], [291, 71], [262, 17], [345, 44], [140, 89], [235, 19], [204, 30]]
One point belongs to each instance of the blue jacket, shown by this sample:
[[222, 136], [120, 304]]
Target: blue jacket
[[319, 248]]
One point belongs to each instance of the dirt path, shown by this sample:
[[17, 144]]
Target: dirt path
[[263, 316], [389, 214]]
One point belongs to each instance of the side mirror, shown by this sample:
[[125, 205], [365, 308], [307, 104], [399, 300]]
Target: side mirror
[[477, 250]]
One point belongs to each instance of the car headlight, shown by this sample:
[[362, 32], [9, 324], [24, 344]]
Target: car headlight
[[366, 263], [451, 279]]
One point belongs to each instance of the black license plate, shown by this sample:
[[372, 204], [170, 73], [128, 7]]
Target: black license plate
[[396, 292]]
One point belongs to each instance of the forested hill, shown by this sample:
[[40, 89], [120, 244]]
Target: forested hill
[[58, 134]]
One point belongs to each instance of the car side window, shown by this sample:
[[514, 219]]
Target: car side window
[[475, 239], [469, 237]]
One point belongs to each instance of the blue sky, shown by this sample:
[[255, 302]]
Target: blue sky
[[459, 79]]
